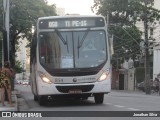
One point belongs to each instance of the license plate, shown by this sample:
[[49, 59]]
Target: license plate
[[75, 91]]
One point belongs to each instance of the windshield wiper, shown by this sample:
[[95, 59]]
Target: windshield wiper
[[81, 42], [78, 46], [83, 38], [65, 42], [60, 36]]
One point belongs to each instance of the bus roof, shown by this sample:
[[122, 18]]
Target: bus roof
[[69, 16], [71, 21]]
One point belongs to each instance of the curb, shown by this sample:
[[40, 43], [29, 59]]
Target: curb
[[21, 104], [135, 92], [16, 102]]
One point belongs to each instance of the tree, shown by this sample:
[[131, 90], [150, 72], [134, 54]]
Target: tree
[[123, 16], [125, 12], [0, 49], [18, 67], [126, 43], [1, 31], [23, 16]]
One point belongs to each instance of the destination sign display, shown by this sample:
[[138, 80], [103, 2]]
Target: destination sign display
[[67, 23]]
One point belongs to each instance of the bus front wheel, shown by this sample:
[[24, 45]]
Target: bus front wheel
[[99, 97]]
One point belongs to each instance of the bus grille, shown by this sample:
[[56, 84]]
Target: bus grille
[[84, 88]]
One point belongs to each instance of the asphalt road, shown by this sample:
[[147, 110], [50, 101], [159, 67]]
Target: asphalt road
[[115, 101]]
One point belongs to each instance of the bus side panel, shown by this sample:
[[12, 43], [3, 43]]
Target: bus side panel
[[33, 80]]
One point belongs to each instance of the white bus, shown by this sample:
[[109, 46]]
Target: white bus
[[70, 57]]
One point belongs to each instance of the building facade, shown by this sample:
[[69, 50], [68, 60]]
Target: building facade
[[21, 54]]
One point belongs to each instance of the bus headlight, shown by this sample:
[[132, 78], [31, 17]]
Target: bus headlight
[[44, 78], [106, 75]]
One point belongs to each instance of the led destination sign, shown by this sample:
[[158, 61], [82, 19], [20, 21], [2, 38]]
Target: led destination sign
[[71, 23], [74, 23]]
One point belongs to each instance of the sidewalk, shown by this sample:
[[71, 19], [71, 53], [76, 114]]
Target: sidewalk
[[137, 92], [7, 106]]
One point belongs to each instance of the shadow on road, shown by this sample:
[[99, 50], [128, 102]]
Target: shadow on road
[[68, 102]]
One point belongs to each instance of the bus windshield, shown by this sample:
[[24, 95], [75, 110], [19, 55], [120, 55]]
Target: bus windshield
[[72, 49]]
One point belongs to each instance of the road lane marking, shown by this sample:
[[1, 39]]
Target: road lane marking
[[120, 106], [108, 103], [7, 108], [134, 109]]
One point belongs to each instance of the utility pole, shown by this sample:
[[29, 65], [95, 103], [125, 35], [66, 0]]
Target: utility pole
[[5, 41], [6, 30], [147, 58]]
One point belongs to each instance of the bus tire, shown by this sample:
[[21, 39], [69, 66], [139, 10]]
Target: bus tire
[[99, 97], [35, 98], [41, 100]]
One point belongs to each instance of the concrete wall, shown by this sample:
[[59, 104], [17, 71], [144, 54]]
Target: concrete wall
[[115, 79], [156, 62], [131, 79]]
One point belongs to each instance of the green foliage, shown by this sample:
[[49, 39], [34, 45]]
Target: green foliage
[[123, 16], [18, 68], [0, 48], [1, 11], [124, 45], [140, 74], [23, 16], [125, 12], [1, 36]]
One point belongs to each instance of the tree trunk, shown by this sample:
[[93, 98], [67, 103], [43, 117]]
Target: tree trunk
[[12, 51]]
